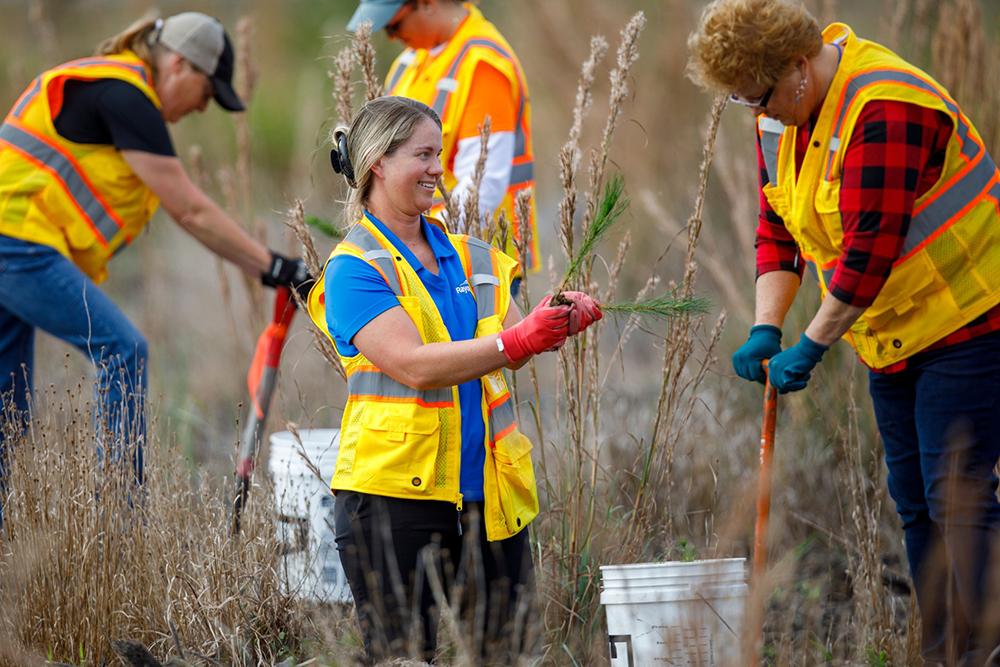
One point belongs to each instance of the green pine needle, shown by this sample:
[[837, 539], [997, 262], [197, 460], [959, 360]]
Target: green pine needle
[[609, 209], [663, 306], [324, 226]]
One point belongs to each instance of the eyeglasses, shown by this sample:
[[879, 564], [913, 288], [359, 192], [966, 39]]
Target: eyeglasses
[[392, 29], [759, 103]]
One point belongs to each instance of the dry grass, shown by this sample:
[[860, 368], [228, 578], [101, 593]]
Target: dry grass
[[637, 459], [88, 558]]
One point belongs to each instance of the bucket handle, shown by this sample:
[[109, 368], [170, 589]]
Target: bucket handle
[[621, 639]]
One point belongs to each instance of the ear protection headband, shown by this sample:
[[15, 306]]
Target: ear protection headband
[[338, 156]]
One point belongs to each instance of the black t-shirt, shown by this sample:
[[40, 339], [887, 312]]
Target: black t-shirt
[[113, 112]]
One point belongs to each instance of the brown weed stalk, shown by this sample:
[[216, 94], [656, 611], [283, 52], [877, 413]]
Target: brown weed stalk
[[296, 221], [364, 55], [90, 557]]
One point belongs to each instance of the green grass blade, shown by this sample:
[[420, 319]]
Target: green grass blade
[[323, 226], [663, 307]]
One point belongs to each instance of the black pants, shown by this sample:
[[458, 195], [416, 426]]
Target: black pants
[[399, 554]]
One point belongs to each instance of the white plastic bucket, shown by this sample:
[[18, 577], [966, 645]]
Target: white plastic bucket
[[304, 503], [675, 613]]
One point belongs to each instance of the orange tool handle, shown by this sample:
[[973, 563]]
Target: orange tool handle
[[764, 480], [763, 512]]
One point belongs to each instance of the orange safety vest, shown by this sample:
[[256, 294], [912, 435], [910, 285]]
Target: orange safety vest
[[403, 442], [949, 270], [444, 82], [80, 199]]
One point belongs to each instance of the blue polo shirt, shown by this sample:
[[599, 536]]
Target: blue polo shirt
[[356, 293]]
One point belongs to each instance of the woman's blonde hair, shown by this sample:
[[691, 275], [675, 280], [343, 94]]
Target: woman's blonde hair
[[742, 41], [379, 128], [137, 38]]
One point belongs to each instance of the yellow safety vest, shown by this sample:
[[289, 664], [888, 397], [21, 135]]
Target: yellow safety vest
[[444, 81], [80, 199], [949, 270], [406, 443]]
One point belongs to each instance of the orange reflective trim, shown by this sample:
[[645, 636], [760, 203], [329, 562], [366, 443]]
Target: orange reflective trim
[[350, 247], [79, 170], [502, 434], [466, 260], [499, 401], [841, 112], [27, 96], [958, 216], [57, 179], [372, 398], [943, 189]]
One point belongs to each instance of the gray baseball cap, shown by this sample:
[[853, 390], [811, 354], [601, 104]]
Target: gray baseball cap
[[377, 11], [203, 41]]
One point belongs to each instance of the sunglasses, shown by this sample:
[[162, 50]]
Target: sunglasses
[[392, 29], [759, 103]]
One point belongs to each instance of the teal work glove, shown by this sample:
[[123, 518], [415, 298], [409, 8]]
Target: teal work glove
[[791, 369], [763, 343]]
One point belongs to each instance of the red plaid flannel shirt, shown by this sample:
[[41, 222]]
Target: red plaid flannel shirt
[[895, 155]]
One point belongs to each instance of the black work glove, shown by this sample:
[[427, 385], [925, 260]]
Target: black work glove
[[288, 272]]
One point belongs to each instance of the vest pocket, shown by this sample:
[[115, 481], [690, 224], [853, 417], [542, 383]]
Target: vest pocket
[[509, 483], [907, 285], [902, 321], [397, 447]]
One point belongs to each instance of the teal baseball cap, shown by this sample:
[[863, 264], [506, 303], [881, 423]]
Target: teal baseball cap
[[377, 11]]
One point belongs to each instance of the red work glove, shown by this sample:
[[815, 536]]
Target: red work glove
[[585, 311], [544, 328]]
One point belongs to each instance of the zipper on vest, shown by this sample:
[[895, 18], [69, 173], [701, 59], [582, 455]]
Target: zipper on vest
[[458, 514]]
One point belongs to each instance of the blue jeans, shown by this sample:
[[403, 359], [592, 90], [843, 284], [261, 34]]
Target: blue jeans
[[41, 289], [940, 424]]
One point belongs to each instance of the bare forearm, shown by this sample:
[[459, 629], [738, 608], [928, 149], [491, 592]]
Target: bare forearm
[[434, 365], [776, 291], [196, 213], [222, 235], [832, 320]]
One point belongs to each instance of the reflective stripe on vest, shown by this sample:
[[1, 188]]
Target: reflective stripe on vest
[[101, 218], [28, 95], [770, 132], [368, 382], [447, 85], [482, 279], [36, 86], [405, 59], [371, 384], [949, 202]]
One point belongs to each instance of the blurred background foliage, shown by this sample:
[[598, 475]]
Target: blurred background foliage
[[202, 322], [174, 289]]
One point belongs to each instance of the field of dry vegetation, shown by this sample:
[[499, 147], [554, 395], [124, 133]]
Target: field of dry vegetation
[[646, 441]]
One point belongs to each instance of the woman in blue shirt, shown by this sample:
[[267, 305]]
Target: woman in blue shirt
[[432, 469]]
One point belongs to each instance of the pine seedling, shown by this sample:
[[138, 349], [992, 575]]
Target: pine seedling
[[662, 306], [610, 208]]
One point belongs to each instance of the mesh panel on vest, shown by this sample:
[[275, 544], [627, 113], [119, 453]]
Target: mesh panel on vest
[[945, 253], [444, 446]]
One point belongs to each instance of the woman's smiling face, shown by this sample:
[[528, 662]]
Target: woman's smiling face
[[409, 175]]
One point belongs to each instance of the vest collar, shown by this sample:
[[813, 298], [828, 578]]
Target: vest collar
[[437, 239]]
